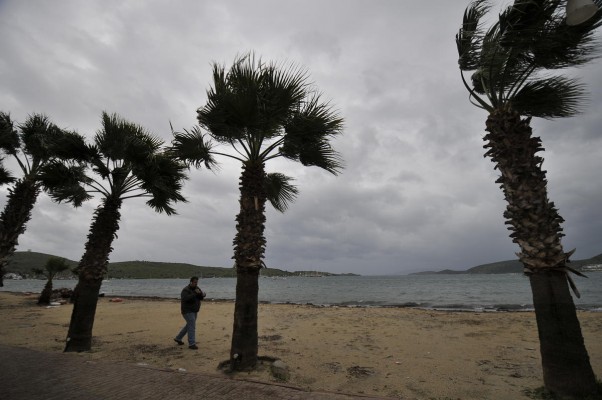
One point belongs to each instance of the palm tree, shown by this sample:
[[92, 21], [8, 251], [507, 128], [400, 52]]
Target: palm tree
[[133, 164], [263, 111], [53, 266], [513, 66], [50, 159]]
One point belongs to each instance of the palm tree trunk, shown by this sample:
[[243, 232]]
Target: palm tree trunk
[[17, 212], [243, 353], [535, 223], [46, 293], [565, 362], [249, 248], [92, 269]]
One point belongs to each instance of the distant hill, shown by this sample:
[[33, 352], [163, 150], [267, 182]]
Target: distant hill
[[23, 262], [165, 270], [500, 267], [443, 272], [509, 267]]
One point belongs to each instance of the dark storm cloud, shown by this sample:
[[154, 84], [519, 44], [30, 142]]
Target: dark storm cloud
[[416, 192]]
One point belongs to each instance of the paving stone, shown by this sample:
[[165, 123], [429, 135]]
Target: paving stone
[[27, 374]]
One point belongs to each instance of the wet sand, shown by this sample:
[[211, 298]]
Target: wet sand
[[394, 352]]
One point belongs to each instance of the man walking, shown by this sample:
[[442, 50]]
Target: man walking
[[190, 304]]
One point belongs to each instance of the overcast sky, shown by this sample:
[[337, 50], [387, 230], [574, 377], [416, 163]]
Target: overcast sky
[[416, 193]]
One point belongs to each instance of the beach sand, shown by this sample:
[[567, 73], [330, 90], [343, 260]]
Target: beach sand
[[390, 352]]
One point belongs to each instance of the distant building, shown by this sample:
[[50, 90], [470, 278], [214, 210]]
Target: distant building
[[592, 267]]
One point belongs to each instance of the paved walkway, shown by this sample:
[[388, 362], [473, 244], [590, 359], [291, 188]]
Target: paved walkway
[[33, 375]]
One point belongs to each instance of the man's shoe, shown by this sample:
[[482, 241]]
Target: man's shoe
[[179, 342], [193, 347]]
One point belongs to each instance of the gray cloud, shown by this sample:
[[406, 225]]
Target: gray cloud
[[416, 193]]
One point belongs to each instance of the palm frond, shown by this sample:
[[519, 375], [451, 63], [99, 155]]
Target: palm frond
[[469, 38], [511, 57], [323, 156], [286, 89], [307, 135], [140, 145], [70, 146], [111, 140], [257, 108], [125, 141], [192, 148], [65, 183], [98, 162], [552, 97], [136, 165], [5, 175], [501, 66], [251, 101], [163, 179], [520, 22], [279, 190], [9, 138], [221, 115], [233, 105], [38, 135], [560, 45], [291, 80]]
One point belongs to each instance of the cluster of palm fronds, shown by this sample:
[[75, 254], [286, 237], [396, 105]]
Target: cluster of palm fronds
[[515, 60]]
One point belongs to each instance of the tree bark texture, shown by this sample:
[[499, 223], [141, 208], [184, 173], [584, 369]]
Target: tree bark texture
[[92, 269], [249, 248], [536, 228], [245, 342], [566, 366], [13, 220]]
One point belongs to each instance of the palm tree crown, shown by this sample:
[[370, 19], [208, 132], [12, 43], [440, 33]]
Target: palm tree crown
[[263, 113], [512, 60], [132, 164], [47, 156]]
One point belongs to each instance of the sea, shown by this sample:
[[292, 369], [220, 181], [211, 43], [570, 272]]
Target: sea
[[465, 292]]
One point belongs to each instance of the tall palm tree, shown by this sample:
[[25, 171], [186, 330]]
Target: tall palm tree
[[133, 164], [513, 66], [50, 159], [263, 111]]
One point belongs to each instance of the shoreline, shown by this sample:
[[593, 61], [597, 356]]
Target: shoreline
[[396, 352], [499, 293], [507, 308]]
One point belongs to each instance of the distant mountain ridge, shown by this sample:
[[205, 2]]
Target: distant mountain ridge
[[23, 262], [509, 267]]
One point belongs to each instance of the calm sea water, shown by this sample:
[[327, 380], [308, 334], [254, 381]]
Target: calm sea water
[[467, 292]]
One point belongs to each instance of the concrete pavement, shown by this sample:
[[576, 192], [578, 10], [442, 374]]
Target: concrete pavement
[[33, 375]]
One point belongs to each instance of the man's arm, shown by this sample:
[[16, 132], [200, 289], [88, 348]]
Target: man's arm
[[188, 296]]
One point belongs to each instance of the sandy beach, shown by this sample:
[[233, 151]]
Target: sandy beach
[[390, 352]]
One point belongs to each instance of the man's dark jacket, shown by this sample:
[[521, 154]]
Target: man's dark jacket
[[190, 300]]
